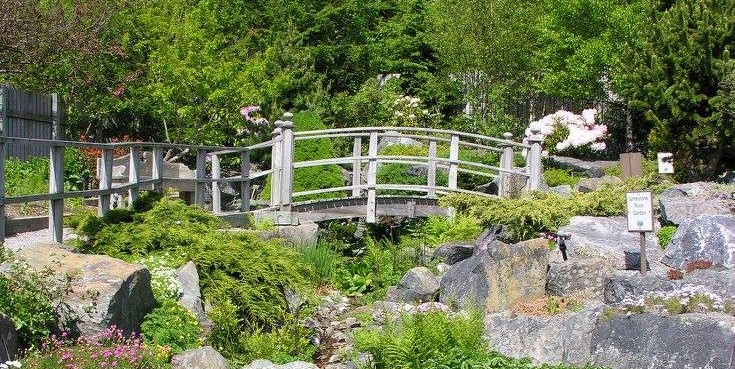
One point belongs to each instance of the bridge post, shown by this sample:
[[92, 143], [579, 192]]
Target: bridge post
[[506, 164], [199, 187], [533, 160], [245, 183], [105, 181], [431, 172], [287, 153], [216, 194], [453, 157], [276, 165], [56, 186], [157, 168], [372, 178], [134, 174], [357, 166]]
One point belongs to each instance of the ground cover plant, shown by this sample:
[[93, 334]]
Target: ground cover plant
[[242, 277]]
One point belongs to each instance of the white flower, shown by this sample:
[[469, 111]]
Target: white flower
[[412, 116], [10, 364]]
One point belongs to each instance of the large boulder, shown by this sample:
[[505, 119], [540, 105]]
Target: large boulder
[[417, 285], [497, 277], [202, 358], [563, 338], [582, 278], [303, 234], [593, 184], [624, 286], [721, 283], [191, 295], [265, 364], [607, 238], [689, 200], [8, 339], [688, 341], [104, 291], [593, 169], [454, 252], [706, 237]]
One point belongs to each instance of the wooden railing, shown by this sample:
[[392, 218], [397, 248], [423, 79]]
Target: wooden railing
[[282, 166]]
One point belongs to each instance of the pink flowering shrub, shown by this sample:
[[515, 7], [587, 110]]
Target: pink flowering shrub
[[565, 131], [107, 350]]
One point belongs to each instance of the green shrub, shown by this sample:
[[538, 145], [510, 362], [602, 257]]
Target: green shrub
[[382, 264], [171, 325], [665, 234], [281, 346], [323, 259], [30, 299], [31, 176], [440, 230], [235, 268], [558, 177], [164, 282], [312, 178]]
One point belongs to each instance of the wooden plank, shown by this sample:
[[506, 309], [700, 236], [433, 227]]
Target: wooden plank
[[431, 171], [134, 174], [276, 163], [245, 184], [56, 186], [453, 158], [372, 178], [105, 181], [287, 151], [200, 186], [2, 182], [216, 194], [356, 165]]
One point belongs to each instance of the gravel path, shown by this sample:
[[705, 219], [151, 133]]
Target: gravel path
[[22, 240]]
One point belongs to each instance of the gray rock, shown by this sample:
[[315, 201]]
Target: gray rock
[[593, 169], [593, 184], [721, 283], [452, 253], [563, 190], [105, 291], [302, 234], [607, 238], [689, 200], [563, 338], [202, 358], [265, 364], [582, 278], [498, 277], [191, 295], [654, 341], [8, 339], [628, 285], [706, 237], [386, 141], [417, 285]]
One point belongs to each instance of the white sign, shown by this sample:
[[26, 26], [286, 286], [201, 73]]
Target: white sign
[[665, 163], [640, 211]]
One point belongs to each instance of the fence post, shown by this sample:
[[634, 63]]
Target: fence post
[[56, 186], [431, 170], [157, 168], [134, 174], [276, 165], [357, 166], [372, 178], [200, 186], [2, 182], [216, 174], [56, 118], [287, 153], [453, 157], [245, 183], [105, 182], [506, 164], [533, 160]]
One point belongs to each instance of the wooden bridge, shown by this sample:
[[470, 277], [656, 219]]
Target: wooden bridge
[[362, 198]]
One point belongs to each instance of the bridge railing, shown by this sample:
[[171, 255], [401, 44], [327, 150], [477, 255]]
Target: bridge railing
[[364, 180]]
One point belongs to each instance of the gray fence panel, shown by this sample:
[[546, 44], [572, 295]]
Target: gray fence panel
[[30, 115]]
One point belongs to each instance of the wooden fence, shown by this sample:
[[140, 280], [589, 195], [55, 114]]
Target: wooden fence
[[29, 115]]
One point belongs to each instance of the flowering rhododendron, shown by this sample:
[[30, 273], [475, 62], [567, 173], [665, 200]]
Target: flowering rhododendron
[[581, 129], [249, 113]]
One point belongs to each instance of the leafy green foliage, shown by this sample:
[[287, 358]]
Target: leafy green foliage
[[323, 259], [30, 298], [382, 264], [675, 74], [665, 234], [26, 177], [436, 340], [238, 272], [440, 230], [558, 177], [171, 325]]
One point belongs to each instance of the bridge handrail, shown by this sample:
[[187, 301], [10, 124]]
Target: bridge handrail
[[364, 131]]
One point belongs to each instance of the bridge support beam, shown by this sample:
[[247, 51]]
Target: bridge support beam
[[431, 171], [276, 163], [506, 164], [372, 178], [216, 193], [287, 151], [357, 166], [533, 160]]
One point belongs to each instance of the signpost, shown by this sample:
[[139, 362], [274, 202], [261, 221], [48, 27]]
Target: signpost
[[640, 219], [665, 163]]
